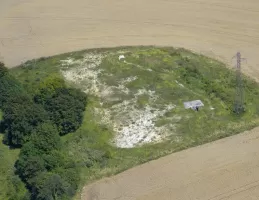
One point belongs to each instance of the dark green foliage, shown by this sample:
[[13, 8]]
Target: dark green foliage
[[3, 70], [29, 166], [21, 114], [16, 190], [57, 159], [48, 88], [65, 108], [48, 176], [48, 173], [45, 138], [53, 159], [29, 149], [50, 186], [9, 87], [21, 117], [71, 176], [35, 126]]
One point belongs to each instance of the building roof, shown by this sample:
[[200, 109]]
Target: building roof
[[193, 104]]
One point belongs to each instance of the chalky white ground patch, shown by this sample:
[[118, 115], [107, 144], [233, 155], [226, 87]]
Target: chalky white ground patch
[[143, 129], [132, 126]]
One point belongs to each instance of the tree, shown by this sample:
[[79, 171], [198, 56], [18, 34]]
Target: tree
[[45, 138], [28, 167], [29, 149], [48, 88], [53, 159], [9, 86], [3, 70], [71, 176], [66, 109], [51, 186], [34, 124], [16, 189], [21, 117], [64, 105]]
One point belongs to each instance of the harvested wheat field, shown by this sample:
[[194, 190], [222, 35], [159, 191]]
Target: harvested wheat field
[[217, 28], [226, 169]]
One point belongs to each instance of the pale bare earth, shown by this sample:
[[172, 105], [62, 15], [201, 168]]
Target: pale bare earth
[[225, 170]]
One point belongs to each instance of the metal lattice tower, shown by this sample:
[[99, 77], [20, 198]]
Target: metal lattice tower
[[239, 98]]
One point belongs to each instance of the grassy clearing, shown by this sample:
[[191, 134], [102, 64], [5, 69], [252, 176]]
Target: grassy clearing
[[152, 84], [9, 183], [11, 187]]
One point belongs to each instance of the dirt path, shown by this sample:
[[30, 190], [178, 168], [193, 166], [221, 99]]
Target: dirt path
[[227, 169]]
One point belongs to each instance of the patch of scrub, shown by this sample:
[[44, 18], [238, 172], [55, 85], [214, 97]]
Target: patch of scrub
[[120, 108]]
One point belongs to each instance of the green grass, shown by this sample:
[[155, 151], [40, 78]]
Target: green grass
[[176, 75], [10, 184]]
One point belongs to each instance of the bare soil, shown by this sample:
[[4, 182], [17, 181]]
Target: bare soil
[[217, 28], [226, 169]]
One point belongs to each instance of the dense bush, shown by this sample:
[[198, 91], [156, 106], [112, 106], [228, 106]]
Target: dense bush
[[47, 88], [28, 167], [9, 87], [35, 124], [16, 190], [42, 164], [45, 138], [21, 117], [51, 186], [65, 106], [66, 109]]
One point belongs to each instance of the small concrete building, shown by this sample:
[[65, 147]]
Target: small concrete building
[[195, 105]]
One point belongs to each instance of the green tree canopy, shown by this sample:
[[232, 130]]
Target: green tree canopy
[[51, 186], [9, 86], [21, 117], [48, 88], [3, 70], [45, 138], [28, 167], [65, 108]]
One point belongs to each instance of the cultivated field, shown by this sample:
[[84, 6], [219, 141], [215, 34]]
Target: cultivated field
[[223, 170], [217, 27], [226, 169]]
